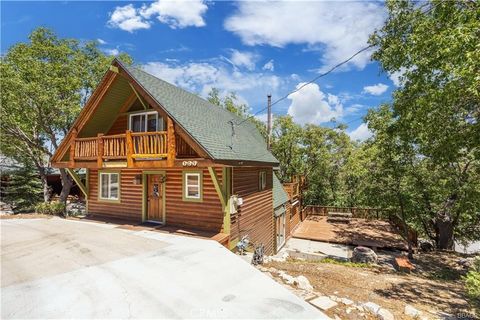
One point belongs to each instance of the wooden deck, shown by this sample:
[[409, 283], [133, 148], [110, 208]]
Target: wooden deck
[[220, 237], [370, 233]]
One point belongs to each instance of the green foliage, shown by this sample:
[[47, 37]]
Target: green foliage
[[428, 139], [347, 263], [45, 83], [472, 283], [22, 189], [51, 208], [231, 103]]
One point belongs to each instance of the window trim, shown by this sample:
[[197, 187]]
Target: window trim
[[185, 197], [146, 113], [262, 185], [99, 186]]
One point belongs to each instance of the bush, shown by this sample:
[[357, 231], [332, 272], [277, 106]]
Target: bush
[[21, 189], [53, 208], [472, 283]]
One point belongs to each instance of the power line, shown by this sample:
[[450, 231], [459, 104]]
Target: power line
[[333, 68], [309, 82]]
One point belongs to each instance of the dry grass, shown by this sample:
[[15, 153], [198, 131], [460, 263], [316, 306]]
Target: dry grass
[[26, 216]]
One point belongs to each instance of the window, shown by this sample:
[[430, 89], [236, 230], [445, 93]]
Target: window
[[192, 186], [145, 122], [262, 180], [109, 186]]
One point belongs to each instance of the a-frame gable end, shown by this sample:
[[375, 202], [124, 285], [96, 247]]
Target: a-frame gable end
[[85, 114]]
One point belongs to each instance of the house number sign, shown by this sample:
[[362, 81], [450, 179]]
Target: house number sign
[[190, 163]]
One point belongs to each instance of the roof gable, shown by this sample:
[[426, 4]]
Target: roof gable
[[207, 124]]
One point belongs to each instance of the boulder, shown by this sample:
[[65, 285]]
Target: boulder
[[412, 312], [364, 255], [425, 245], [371, 307], [303, 283], [384, 314], [346, 301]]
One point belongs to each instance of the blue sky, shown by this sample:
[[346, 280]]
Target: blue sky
[[251, 48]]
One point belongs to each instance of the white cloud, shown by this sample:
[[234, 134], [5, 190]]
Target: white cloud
[[361, 133], [127, 18], [176, 14], [101, 41], [262, 117], [354, 108], [243, 59], [112, 52], [201, 77], [311, 105], [336, 29], [269, 66], [376, 89]]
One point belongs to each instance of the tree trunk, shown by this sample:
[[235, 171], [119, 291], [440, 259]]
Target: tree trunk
[[444, 224], [43, 179], [444, 227], [67, 183]]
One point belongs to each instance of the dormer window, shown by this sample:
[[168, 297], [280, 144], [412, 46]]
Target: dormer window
[[145, 122]]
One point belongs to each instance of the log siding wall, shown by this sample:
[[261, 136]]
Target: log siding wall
[[206, 215], [255, 216]]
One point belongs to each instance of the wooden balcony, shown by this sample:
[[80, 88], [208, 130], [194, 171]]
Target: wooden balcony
[[129, 146]]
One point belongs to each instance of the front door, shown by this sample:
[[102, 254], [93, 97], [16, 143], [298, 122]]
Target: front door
[[155, 198]]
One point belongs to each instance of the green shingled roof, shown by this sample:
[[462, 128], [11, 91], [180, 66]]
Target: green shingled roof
[[280, 196], [207, 124]]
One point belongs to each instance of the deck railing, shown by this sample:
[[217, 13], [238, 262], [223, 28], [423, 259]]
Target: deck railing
[[149, 144], [122, 146]]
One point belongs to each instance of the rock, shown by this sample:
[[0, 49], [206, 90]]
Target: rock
[[323, 303], [286, 277], [346, 301], [349, 310], [263, 269], [303, 283], [412, 312], [371, 307], [466, 263], [364, 255], [384, 314], [425, 245], [337, 317]]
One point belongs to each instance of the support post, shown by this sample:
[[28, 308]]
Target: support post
[[171, 143], [223, 191], [78, 181], [100, 150], [72, 148], [129, 143]]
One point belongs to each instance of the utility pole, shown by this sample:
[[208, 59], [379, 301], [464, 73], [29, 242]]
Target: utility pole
[[269, 121]]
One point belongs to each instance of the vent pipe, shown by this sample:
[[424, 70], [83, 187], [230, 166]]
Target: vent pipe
[[269, 121]]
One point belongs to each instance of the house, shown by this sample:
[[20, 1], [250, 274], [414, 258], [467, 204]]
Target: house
[[155, 152]]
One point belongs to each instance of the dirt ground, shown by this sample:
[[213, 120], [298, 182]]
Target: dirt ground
[[435, 287], [26, 216]]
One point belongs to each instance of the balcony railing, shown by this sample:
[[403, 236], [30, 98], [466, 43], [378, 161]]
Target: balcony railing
[[135, 145]]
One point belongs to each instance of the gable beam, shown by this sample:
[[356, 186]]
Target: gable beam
[[145, 107], [78, 181], [87, 111]]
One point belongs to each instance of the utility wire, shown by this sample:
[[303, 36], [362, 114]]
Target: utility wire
[[309, 82], [330, 70]]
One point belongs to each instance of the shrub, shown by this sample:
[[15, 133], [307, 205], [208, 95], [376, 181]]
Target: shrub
[[472, 283], [21, 189], [53, 208]]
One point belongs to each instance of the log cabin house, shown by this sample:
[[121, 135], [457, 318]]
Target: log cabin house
[[157, 153]]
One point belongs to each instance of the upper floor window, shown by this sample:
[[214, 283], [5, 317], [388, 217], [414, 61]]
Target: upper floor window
[[145, 121], [262, 180]]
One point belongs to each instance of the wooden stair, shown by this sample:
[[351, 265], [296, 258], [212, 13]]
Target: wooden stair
[[339, 217]]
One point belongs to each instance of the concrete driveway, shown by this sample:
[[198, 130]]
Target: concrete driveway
[[55, 268]]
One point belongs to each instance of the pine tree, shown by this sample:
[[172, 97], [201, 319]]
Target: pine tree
[[22, 189]]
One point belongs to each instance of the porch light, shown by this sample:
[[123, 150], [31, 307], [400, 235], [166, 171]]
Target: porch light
[[137, 179]]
